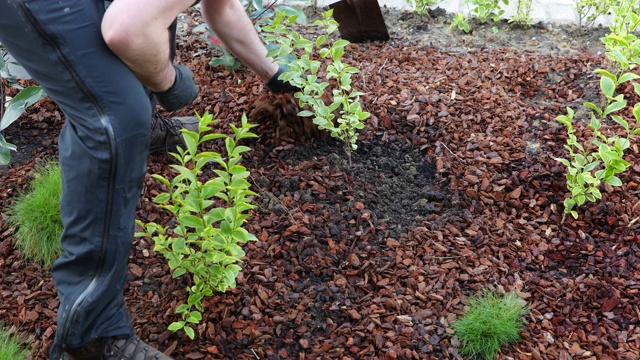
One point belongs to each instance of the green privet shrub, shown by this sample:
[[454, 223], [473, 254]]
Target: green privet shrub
[[489, 322], [522, 16], [621, 44], [206, 239], [461, 23], [421, 7], [12, 347], [36, 216], [601, 157], [485, 10], [304, 73], [590, 10]]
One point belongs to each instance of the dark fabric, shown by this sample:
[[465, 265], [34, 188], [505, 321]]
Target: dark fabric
[[183, 91], [280, 86], [173, 29], [102, 150]]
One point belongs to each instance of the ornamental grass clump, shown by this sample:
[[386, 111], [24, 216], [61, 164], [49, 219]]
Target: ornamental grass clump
[[11, 346], [36, 216], [489, 322]]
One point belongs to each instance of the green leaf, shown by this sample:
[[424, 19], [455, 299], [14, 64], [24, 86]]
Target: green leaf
[[605, 73], [196, 315], [190, 221], [19, 103], [621, 121], [209, 137], [614, 181], [627, 77], [619, 39], [569, 203], [193, 320], [5, 151], [177, 273], [636, 112], [182, 308], [300, 16], [608, 86], [189, 331], [5, 155], [176, 326], [305, 113], [230, 276], [162, 198]]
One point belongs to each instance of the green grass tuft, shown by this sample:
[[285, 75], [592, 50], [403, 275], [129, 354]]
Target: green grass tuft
[[489, 322], [11, 347], [36, 216]]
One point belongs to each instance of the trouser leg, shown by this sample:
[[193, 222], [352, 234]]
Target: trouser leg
[[102, 149]]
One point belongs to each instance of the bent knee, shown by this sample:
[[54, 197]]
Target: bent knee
[[119, 37]]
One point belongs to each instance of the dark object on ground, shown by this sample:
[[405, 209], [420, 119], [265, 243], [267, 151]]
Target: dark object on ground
[[360, 20]]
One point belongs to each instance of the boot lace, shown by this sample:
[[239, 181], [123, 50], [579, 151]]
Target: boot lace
[[166, 124]]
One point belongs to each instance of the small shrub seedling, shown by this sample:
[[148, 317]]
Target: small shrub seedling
[[36, 216], [421, 7], [590, 10], [485, 10], [489, 322], [461, 23], [304, 73], [601, 158], [621, 43], [205, 240], [522, 16]]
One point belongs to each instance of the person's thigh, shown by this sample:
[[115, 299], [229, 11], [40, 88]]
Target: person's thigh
[[102, 150]]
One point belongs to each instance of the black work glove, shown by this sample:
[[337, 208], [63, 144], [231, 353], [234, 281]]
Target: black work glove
[[278, 86], [183, 91]]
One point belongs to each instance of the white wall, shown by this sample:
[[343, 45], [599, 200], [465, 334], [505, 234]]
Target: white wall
[[558, 11]]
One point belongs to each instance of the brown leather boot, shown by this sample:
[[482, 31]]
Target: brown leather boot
[[165, 132], [115, 349]]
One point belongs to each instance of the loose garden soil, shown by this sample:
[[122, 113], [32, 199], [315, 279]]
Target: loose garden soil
[[453, 189]]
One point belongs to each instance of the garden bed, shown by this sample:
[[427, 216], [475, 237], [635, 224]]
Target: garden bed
[[454, 189]]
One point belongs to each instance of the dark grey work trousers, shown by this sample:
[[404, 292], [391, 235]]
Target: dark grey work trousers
[[103, 148]]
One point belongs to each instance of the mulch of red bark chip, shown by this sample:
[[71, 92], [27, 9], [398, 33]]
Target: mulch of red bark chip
[[454, 188]]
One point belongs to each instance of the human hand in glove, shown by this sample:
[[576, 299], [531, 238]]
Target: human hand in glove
[[280, 86]]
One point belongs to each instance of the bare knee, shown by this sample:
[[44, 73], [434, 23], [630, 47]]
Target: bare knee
[[121, 36]]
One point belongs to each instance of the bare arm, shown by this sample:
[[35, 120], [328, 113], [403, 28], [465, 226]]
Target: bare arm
[[137, 32], [229, 21]]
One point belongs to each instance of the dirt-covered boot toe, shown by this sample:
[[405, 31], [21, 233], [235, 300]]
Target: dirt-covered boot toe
[[116, 349]]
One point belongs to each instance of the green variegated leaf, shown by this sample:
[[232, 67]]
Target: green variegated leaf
[[608, 86]]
